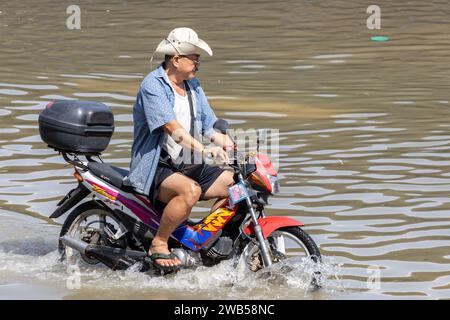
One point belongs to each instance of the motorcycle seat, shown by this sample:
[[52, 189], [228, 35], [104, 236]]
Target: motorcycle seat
[[111, 174]]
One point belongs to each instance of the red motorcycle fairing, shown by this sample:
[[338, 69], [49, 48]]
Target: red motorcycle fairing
[[270, 224]]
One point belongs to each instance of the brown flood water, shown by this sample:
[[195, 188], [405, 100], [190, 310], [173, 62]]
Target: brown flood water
[[364, 148]]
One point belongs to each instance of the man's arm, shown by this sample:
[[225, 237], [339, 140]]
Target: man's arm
[[183, 138], [174, 129]]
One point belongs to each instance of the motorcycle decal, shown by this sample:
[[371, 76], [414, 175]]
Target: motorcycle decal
[[145, 215], [145, 201], [110, 194], [194, 237], [148, 216], [216, 220]]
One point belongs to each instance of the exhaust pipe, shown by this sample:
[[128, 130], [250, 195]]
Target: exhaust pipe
[[114, 258], [78, 245]]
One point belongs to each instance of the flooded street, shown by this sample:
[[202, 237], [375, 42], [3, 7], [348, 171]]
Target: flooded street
[[364, 157]]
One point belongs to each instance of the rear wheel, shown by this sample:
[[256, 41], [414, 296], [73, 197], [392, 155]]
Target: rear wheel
[[94, 226]]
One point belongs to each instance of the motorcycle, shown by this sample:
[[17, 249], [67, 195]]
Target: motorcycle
[[113, 224]]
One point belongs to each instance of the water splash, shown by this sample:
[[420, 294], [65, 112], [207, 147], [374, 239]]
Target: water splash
[[290, 279]]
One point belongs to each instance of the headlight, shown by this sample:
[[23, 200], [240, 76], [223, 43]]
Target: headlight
[[274, 183]]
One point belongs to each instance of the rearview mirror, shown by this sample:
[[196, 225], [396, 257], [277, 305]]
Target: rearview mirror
[[221, 125]]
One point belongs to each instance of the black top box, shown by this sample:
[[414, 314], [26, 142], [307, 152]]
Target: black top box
[[81, 127]]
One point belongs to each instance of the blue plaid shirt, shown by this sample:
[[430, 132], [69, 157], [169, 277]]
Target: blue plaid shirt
[[153, 108]]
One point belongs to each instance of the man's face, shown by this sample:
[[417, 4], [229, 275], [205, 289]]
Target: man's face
[[187, 65]]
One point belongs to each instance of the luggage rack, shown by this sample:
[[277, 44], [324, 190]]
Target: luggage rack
[[75, 161]]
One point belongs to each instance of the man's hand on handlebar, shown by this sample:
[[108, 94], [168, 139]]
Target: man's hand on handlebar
[[217, 154]]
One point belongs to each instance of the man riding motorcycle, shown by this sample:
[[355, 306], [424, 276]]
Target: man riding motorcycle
[[170, 115]]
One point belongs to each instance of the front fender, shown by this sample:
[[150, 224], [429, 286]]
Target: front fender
[[270, 224]]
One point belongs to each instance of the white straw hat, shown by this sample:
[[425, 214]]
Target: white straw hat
[[183, 41]]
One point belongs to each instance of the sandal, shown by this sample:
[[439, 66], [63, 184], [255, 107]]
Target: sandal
[[164, 256]]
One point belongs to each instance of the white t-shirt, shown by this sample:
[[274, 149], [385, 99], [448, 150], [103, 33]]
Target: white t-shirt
[[183, 114]]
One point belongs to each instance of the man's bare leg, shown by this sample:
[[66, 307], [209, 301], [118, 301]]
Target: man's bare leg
[[219, 189], [181, 194]]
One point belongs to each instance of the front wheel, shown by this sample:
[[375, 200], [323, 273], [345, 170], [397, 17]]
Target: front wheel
[[291, 243]]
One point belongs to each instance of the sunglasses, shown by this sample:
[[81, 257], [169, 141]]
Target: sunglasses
[[196, 62]]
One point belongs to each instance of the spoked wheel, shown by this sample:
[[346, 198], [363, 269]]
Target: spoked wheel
[[291, 243], [93, 226]]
